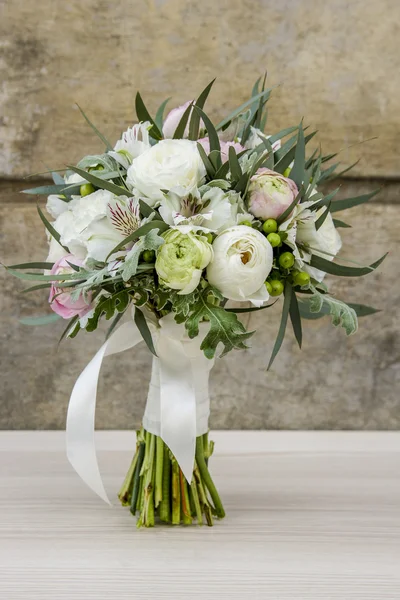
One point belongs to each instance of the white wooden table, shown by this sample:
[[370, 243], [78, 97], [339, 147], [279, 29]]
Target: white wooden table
[[310, 515]]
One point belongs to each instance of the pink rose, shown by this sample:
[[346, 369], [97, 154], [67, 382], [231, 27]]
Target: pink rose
[[270, 194], [205, 142], [60, 301], [172, 121]]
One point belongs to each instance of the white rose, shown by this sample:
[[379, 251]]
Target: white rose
[[134, 141], [173, 165], [325, 242], [241, 264], [86, 228]]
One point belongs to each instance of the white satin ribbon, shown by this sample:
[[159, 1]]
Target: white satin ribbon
[[177, 405]]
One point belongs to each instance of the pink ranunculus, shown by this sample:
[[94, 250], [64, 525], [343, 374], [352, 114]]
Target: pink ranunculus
[[205, 142], [270, 194], [60, 301]]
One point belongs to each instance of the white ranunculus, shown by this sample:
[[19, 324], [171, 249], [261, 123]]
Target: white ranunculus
[[86, 227], [173, 165], [134, 142], [325, 242], [241, 264]]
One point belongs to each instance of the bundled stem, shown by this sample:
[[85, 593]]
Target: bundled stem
[[156, 488]]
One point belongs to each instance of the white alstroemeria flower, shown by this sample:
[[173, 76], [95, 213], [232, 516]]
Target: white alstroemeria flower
[[134, 142], [55, 205], [210, 212], [169, 165], [93, 225], [255, 139], [74, 178], [305, 240], [241, 264]]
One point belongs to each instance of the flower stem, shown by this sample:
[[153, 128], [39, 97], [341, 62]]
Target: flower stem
[[206, 478], [159, 470], [186, 514], [195, 497], [148, 512], [176, 496], [136, 479], [125, 493], [165, 504]]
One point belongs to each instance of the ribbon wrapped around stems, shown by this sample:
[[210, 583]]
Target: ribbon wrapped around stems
[[177, 406]]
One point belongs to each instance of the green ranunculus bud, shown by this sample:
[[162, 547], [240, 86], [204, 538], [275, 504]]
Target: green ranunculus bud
[[270, 226], [301, 278], [86, 189], [277, 287], [286, 260], [274, 239], [181, 259]]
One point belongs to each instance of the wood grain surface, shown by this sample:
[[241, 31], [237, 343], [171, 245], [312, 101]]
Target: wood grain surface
[[310, 515]]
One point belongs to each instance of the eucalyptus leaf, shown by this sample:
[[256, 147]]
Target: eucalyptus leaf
[[144, 115], [341, 270], [180, 129], [295, 317], [283, 323], [298, 169], [159, 118], [42, 320], [53, 232], [338, 223], [350, 202], [101, 183], [155, 224], [195, 117], [242, 107]]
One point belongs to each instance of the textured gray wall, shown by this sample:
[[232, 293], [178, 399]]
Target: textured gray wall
[[339, 63]]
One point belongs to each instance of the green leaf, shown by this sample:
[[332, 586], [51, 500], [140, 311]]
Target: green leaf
[[159, 118], [195, 118], [150, 241], [144, 115], [285, 161], [143, 327], [283, 323], [212, 133], [33, 288], [341, 270], [180, 129], [225, 327], [338, 223], [342, 314], [345, 170], [322, 218], [39, 277], [250, 309], [362, 310], [234, 165], [324, 201], [295, 317], [33, 265], [68, 328], [350, 202], [53, 232], [45, 190], [206, 161], [283, 133], [289, 209], [113, 325], [97, 132], [298, 169], [145, 209], [101, 183], [328, 172], [242, 107], [42, 320], [156, 224]]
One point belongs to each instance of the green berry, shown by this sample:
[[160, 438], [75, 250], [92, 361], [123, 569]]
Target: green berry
[[247, 223], [270, 226], [301, 278], [276, 287], [149, 256], [269, 287], [286, 260], [274, 239], [86, 189]]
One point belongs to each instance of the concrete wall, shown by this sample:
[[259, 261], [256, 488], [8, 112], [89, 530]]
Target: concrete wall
[[338, 62]]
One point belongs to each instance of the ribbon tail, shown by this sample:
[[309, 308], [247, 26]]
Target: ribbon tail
[[81, 449]]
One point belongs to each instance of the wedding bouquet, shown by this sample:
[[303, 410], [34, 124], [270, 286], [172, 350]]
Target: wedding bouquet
[[168, 226]]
